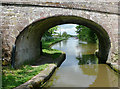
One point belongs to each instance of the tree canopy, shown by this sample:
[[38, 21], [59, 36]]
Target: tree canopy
[[64, 34], [86, 34], [53, 29]]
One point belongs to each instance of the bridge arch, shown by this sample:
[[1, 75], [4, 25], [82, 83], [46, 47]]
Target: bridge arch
[[28, 45]]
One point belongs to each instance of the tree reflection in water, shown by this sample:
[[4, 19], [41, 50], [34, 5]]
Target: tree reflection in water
[[85, 62], [87, 59]]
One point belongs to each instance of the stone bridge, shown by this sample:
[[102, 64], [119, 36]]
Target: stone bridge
[[23, 22]]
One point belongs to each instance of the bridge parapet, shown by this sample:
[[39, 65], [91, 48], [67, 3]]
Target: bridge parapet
[[110, 7]]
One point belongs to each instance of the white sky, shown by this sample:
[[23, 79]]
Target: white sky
[[69, 28]]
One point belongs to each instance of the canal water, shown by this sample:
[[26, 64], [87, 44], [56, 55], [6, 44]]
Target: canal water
[[80, 69]]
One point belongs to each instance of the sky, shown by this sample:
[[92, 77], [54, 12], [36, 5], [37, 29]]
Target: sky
[[69, 28]]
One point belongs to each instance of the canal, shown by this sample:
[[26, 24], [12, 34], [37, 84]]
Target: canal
[[81, 68]]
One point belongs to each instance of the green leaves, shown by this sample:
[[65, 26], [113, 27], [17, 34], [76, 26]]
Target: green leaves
[[65, 34], [86, 34], [53, 29]]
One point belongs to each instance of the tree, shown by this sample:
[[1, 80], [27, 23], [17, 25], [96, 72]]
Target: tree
[[64, 34], [86, 34], [53, 29], [48, 34]]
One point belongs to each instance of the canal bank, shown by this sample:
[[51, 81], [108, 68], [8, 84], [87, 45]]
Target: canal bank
[[51, 62], [39, 80], [69, 45]]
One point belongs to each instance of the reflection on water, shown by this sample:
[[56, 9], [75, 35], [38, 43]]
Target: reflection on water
[[90, 69], [80, 69], [85, 49], [87, 59]]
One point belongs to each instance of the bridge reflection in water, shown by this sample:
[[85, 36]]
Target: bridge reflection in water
[[80, 69]]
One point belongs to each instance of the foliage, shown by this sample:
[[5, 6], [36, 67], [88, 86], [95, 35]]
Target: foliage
[[86, 34], [65, 34], [53, 29], [48, 34], [14, 77], [53, 53]]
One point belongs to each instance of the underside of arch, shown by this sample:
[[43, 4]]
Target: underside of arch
[[28, 47]]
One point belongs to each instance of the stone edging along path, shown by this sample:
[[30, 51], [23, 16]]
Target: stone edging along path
[[43, 76]]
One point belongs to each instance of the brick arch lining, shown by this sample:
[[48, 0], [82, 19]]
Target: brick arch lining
[[28, 41]]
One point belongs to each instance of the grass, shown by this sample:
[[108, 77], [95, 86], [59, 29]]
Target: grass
[[46, 44], [14, 77], [51, 52]]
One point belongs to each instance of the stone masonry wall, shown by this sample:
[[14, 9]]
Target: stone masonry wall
[[15, 18]]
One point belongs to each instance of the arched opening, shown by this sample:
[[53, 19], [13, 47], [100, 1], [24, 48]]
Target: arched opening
[[28, 45]]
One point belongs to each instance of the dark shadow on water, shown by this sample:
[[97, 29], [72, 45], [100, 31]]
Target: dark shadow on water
[[87, 59]]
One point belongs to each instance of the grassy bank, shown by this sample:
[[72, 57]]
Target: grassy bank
[[47, 51], [14, 77], [47, 44]]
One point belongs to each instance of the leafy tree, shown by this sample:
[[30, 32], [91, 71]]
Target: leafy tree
[[48, 34], [86, 34], [65, 34], [53, 29]]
